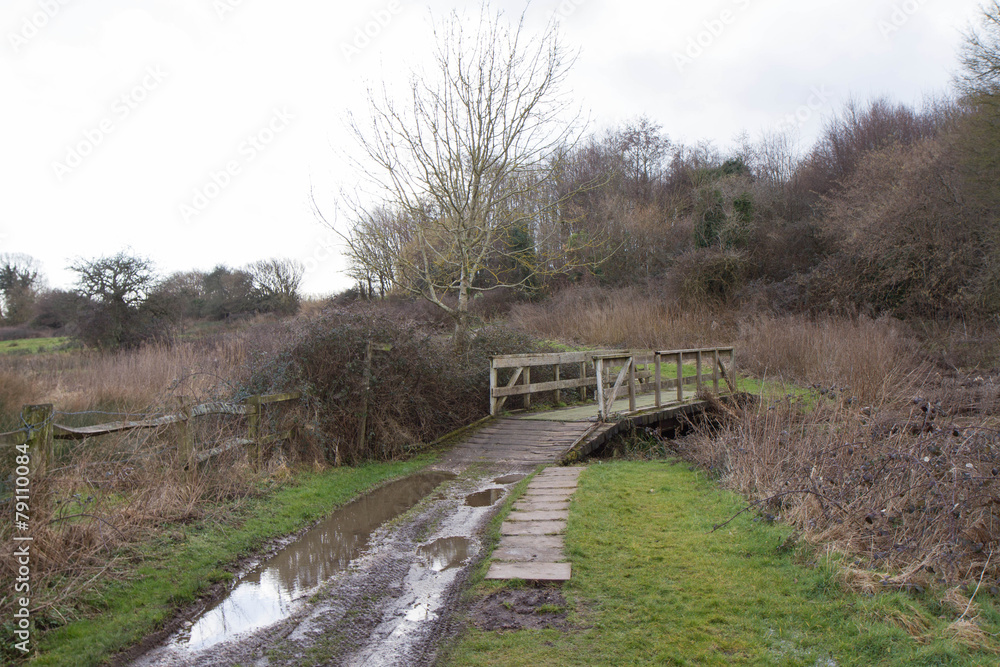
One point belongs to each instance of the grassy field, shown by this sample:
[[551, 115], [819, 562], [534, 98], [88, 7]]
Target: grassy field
[[183, 561], [653, 586], [32, 345]]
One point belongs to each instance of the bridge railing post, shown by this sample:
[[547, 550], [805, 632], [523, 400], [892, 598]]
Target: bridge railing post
[[631, 384], [599, 373], [493, 387], [658, 362], [715, 371], [698, 362], [680, 377]]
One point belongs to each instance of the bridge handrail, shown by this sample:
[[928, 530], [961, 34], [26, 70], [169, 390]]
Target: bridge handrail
[[600, 364]]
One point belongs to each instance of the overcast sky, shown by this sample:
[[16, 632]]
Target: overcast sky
[[191, 130]]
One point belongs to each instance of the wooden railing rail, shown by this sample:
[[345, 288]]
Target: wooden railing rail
[[610, 372], [40, 431], [522, 365]]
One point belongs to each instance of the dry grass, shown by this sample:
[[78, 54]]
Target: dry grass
[[907, 491], [890, 457], [623, 318], [873, 360], [102, 496], [138, 380]]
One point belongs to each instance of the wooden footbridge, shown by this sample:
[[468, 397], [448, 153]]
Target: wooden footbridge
[[607, 391], [572, 403]]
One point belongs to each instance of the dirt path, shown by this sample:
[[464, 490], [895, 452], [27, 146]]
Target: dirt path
[[390, 605]]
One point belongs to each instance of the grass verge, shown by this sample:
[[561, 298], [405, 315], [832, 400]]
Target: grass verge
[[173, 570], [32, 345], [651, 585]]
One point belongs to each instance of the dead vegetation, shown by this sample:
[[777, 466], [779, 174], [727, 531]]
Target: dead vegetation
[[102, 497], [415, 393], [867, 437]]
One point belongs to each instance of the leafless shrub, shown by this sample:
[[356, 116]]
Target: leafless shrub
[[908, 491], [416, 392]]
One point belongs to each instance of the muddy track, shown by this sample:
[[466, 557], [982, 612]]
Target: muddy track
[[392, 604]]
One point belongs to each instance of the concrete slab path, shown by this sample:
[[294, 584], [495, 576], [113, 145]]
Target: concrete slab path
[[531, 543]]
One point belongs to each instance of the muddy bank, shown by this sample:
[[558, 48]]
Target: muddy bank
[[349, 592]]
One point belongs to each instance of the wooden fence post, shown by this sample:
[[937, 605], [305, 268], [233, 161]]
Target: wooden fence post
[[366, 385], [253, 428], [366, 382], [583, 376], [38, 418], [185, 439]]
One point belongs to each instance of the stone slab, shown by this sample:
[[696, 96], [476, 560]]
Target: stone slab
[[527, 541], [538, 515], [559, 472], [532, 505], [530, 571], [549, 496], [532, 527], [553, 483], [528, 554]]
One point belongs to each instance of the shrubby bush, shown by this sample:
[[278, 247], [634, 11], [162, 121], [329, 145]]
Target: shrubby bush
[[419, 391]]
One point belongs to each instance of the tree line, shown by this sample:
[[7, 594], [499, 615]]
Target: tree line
[[478, 182], [120, 300]]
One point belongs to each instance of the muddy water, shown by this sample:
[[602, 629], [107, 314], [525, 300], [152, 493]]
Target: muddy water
[[445, 553], [509, 479], [484, 498], [266, 594]]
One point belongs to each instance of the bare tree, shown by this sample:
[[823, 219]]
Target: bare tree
[[980, 56], [121, 280], [459, 158], [20, 279], [375, 245], [644, 149], [276, 285], [117, 288]]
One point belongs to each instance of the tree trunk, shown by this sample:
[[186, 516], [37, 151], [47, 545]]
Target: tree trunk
[[461, 339]]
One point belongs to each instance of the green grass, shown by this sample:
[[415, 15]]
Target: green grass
[[172, 574], [652, 586], [33, 345]]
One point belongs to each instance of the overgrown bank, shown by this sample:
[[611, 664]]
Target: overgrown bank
[[143, 586], [652, 584]]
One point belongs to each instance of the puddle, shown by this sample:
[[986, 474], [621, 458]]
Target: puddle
[[484, 498], [266, 594], [445, 553], [509, 479]]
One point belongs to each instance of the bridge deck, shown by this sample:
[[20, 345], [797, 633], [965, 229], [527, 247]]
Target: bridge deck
[[588, 412], [531, 439]]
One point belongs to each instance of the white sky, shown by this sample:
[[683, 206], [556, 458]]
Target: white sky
[[160, 95]]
